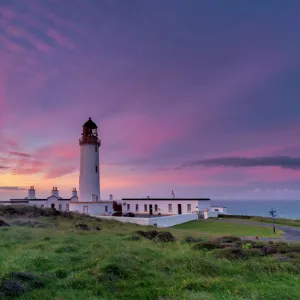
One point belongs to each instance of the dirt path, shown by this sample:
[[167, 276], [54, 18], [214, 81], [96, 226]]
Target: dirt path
[[291, 234]]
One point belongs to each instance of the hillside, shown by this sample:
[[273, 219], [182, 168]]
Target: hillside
[[44, 255]]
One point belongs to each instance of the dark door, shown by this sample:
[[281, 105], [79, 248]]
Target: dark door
[[52, 205], [150, 209], [179, 209]]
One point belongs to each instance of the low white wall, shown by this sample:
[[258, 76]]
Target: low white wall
[[159, 221], [140, 221], [219, 209], [91, 208], [172, 220], [211, 214]]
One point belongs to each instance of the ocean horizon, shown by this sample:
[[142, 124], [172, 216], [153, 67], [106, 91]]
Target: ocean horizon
[[289, 209]]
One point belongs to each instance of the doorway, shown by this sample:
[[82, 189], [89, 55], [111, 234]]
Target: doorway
[[52, 205], [150, 210], [85, 209], [179, 209]]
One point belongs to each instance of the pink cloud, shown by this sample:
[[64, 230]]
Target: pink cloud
[[6, 12], [60, 39]]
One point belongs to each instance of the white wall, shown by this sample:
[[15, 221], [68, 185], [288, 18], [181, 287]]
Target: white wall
[[219, 209], [163, 206], [91, 208], [58, 204], [211, 214], [160, 222], [89, 179]]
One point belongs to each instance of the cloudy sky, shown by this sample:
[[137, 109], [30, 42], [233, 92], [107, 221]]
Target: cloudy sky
[[202, 97]]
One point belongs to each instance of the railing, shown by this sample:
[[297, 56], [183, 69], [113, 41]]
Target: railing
[[89, 140]]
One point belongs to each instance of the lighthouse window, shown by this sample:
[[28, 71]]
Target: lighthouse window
[[96, 169], [96, 149]]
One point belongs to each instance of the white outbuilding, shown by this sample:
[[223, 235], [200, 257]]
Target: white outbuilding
[[165, 206]]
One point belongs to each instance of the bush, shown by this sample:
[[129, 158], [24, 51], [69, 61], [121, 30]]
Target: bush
[[234, 216], [148, 234], [3, 224], [164, 237], [229, 239], [207, 246], [82, 226], [267, 250], [189, 239], [235, 253], [12, 287]]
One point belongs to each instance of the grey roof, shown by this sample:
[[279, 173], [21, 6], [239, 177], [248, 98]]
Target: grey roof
[[167, 199]]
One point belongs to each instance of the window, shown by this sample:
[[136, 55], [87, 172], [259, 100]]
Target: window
[[96, 169], [128, 207], [136, 207], [42, 206], [96, 149], [155, 207], [189, 207], [145, 207], [106, 208], [94, 198], [216, 209], [67, 207], [60, 207], [85, 209], [170, 207]]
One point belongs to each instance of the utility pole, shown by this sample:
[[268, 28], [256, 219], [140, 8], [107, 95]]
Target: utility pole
[[272, 212]]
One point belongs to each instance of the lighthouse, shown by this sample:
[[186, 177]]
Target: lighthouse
[[89, 179]]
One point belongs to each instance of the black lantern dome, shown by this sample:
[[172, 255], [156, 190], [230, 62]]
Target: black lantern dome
[[89, 124], [89, 133]]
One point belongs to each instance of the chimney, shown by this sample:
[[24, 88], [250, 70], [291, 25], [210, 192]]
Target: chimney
[[31, 193], [74, 192], [55, 191], [110, 197]]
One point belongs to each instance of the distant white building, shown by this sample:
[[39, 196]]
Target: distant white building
[[53, 201], [166, 206]]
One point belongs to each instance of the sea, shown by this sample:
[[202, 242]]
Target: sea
[[289, 209]]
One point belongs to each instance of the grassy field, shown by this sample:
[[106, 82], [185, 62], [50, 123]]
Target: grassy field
[[279, 221], [213, 227], [108, 264]]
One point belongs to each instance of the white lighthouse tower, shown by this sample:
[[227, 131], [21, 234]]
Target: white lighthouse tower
[[89, 179]]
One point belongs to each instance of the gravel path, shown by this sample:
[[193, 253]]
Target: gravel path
[[291, 234]]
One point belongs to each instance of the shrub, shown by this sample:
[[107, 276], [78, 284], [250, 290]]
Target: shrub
[[229, 239], [189, 239], [12, 287], [235, 253], [151, 234], [234, 216], [164, 237], [207, 246], [3, 224], [267, 250]]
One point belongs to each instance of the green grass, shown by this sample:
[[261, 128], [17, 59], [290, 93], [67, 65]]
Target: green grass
[[215, 227], [107, 265], [279, 221]]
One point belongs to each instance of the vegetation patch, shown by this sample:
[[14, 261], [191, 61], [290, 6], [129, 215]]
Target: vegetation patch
[[62, 262], [207, 245]]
